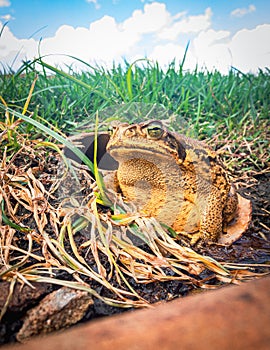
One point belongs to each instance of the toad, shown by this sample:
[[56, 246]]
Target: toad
[[176, 179]]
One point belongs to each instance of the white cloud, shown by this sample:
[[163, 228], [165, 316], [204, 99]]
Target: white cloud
[[95, 2], [251, 48], [247, 50], [7, 17], [211, 50], [103, 42], [152, 19], [4, 3], [11, 47], [240, 12], [166, 53], [187, 24], [152, 32], [208, 50]]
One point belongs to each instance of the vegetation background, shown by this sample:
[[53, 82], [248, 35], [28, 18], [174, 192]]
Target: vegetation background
[[40, 104], [229, 110]]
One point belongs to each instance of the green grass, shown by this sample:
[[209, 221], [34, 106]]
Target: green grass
[[57, 98], [207, 105]]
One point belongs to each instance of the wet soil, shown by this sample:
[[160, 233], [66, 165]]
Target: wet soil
[[252, 248]]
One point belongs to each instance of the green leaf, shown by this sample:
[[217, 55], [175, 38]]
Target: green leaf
[[54, 134]]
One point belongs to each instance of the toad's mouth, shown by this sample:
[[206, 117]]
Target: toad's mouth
[[134, 151]]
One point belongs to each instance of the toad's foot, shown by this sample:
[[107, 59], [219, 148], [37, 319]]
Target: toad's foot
[[201, 236]]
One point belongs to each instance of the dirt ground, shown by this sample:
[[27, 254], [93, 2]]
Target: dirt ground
[[252, 248]]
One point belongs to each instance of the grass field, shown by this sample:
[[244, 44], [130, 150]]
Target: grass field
[[40, 104], [207, 105]]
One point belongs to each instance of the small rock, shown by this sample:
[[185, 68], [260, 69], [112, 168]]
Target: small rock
[[59, 309]]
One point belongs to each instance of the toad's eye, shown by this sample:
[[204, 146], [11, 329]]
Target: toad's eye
[[155, 130]]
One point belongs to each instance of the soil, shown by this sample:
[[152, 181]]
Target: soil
[[252, 248]]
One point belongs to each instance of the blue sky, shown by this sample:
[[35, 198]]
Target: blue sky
[[221, 33], [31, 15]]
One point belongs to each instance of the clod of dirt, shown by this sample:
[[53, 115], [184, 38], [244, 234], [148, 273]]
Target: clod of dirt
[[236, 229], [22, 296], [60, 309]]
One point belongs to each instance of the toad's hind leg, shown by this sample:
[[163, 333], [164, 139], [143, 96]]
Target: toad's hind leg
[[230, 208], [211, 213]]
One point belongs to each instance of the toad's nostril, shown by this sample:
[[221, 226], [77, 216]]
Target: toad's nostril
[[130, 131]]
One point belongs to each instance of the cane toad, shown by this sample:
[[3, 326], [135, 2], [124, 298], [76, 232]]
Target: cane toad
[[176, 179]]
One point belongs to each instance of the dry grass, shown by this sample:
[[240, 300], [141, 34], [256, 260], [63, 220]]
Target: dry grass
[[54, 228], [52, 223]]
